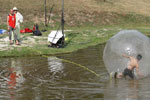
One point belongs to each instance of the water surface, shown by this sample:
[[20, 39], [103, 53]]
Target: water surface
[[40, 78]]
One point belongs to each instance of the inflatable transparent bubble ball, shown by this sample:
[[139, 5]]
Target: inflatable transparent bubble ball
[[131, 43]]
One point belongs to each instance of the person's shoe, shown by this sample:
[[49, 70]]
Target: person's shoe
[[18, 44], [11, 43]]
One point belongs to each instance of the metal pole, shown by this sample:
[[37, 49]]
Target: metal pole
[[45, 14], [62, 22]]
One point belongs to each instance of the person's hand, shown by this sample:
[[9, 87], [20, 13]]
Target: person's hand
[[140, 75], [123, 55], [8, 29], [19, 21]]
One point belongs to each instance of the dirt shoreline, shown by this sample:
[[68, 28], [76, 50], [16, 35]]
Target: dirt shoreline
[[29, 41]]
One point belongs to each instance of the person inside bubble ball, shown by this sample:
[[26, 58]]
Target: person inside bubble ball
[[129, 71]]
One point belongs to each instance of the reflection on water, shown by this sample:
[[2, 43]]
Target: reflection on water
[[16, 76], [127, 90], [122, 90], [11, 77], [38, 78], [55, 66]]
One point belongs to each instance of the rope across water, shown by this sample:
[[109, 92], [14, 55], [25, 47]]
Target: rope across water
[[71, 62]]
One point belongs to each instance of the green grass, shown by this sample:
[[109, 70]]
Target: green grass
[[92, 23], [78, 38], [3, 26]]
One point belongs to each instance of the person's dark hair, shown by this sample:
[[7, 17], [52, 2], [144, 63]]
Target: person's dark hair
[[139, 57]]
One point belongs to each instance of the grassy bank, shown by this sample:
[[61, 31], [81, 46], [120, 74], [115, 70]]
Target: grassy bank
[[78, 38], [91, 23]]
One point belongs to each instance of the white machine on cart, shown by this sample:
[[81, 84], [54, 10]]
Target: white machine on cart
[[55, 38]]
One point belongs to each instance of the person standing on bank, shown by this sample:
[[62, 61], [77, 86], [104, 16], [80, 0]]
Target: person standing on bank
[[19, 19], [11, 23]]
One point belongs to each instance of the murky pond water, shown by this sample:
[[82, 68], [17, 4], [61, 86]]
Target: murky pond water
[[41, 78]]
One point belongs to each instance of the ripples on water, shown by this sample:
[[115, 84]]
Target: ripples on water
[[38, 78]]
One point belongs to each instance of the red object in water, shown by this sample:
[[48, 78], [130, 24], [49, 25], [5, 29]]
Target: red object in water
[[26, 30], [12, 79]]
